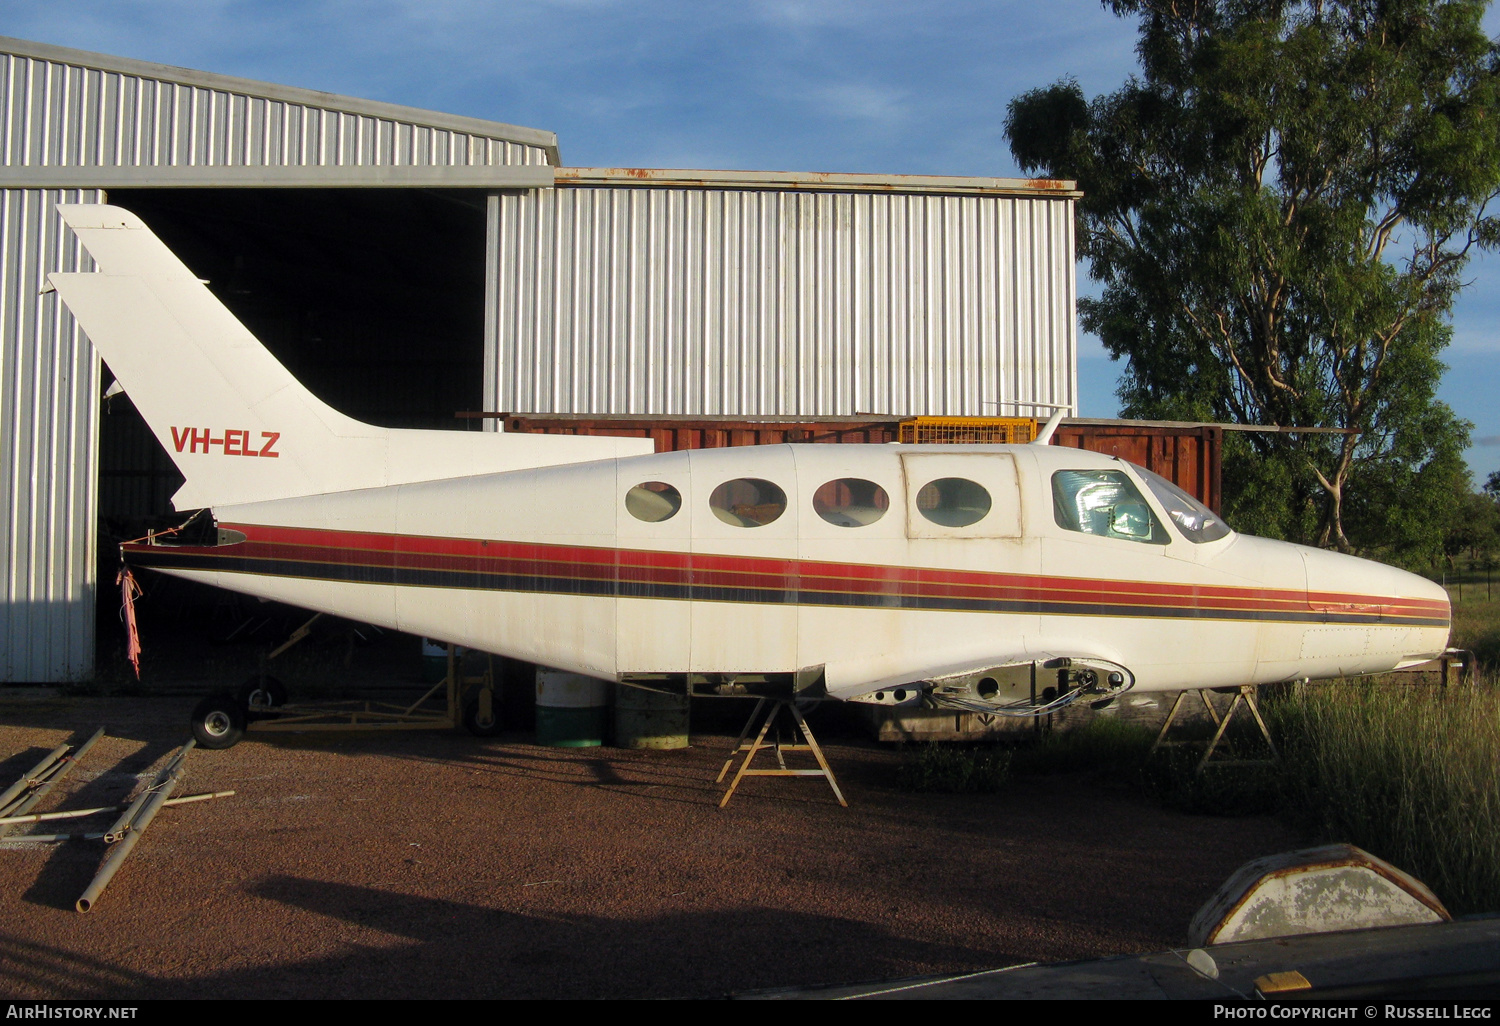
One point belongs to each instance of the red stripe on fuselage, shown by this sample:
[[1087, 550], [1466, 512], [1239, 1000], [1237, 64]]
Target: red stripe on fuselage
[[354, 548]]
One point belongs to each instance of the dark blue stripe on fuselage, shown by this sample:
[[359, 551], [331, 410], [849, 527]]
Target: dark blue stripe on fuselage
[[164, 558]]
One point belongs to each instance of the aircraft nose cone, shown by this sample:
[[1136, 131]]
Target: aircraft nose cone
[[1332, 575], [1404, 619], [1421, 587]]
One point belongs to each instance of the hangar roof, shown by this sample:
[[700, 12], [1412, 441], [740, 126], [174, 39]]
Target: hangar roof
[[817, 181], [289, 94], [26, 166], [85, 120]]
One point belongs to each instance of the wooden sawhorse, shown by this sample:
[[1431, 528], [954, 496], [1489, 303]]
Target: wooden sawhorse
[[799, 725]]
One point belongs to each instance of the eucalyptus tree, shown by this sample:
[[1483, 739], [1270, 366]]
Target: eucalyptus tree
[[1279, 208]]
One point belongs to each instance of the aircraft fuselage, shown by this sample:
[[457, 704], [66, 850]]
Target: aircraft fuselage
[[861, 566]]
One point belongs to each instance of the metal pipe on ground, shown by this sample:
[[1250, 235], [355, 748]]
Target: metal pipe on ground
[[10, 794], [122, 825], [60, 769], [160, 793], [42, 817]]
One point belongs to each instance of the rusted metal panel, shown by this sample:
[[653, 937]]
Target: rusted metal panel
[[677, 299], [1187, 455], [1329, 889]]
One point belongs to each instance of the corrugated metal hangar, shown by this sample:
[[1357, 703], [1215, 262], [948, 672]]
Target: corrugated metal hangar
[[408, 265]]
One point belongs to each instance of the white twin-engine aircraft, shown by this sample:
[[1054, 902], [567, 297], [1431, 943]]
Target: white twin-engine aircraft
[[1002, 578]]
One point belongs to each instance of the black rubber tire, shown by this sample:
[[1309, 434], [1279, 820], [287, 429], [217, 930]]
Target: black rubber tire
[[219, 721], [471, 716], [267, 688]]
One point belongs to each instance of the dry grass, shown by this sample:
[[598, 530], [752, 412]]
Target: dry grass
[[1408, 773]]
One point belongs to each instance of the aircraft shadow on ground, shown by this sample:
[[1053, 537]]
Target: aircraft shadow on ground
[[13, 767], [693, 770], [125, 717], [28, 967], [471, 951], [446, 949]]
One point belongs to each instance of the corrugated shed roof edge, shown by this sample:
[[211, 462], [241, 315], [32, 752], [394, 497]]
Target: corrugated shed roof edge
[[290, 94], [1036, 188]]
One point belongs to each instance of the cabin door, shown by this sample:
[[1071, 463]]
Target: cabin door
[[972, 545]]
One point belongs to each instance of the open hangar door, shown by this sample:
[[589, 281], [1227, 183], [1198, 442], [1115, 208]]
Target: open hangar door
[[373, 298]]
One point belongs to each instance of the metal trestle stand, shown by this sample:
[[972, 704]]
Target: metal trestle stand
[[808, 744], [1245, 696]]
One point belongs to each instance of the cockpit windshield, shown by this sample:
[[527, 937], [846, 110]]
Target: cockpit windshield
[[1196, 521]]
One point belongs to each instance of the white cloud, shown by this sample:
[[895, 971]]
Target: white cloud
[[862, 100], [1482, 337], [813, 14]]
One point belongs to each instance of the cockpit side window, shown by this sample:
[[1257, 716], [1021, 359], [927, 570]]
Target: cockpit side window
[[1104, 503], [1196, 521]]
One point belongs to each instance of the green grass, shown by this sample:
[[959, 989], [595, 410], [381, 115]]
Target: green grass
[[955, 769], [1476, 615], [1105, 745], [1113, 751]]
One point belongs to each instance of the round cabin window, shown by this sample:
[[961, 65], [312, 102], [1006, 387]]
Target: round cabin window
[[953, 502], [747, 502], [653, 501], [851, 502]]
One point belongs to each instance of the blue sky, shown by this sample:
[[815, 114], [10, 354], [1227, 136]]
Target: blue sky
[[871, 86]]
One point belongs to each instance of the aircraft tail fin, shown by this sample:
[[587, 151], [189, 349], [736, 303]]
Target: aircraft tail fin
[[236, 422], [207, 388]]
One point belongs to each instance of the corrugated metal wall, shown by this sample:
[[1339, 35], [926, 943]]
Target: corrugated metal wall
[[767, 302], [49, 407], [59, 113], [64, 112]]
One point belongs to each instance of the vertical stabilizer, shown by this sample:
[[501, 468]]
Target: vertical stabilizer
[[233, 419]]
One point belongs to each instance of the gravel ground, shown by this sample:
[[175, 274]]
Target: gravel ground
[[434, 864]]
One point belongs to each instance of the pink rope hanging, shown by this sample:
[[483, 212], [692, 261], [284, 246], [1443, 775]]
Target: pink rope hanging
[[128, 591]]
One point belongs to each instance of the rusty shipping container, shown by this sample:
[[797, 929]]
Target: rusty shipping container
[[1185, 453]]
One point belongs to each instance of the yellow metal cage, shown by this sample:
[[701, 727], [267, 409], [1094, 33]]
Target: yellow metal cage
[[970, 430]]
